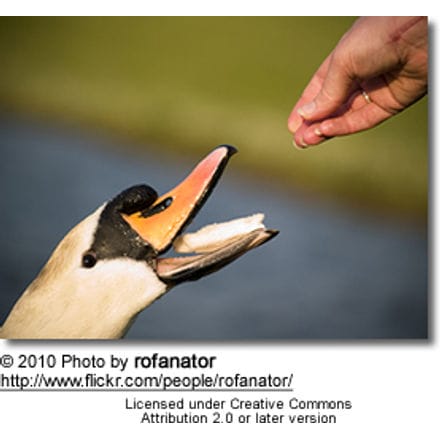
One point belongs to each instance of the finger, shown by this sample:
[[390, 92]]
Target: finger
[[308, 135], [295, 119], [361, 119], [337, 87], [298, 137], [312, 89]]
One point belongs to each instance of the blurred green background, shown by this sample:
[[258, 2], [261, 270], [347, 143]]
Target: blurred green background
[[186, 84]]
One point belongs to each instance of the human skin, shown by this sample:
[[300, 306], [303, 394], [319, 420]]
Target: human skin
[[378, 68]]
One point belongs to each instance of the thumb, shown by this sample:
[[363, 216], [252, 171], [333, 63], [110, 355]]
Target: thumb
[[336, 89]]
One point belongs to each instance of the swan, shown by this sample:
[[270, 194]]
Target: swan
[[111, 266]]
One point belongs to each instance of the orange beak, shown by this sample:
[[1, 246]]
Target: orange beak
[[169, 215]]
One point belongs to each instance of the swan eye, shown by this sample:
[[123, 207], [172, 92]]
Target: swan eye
[[89, 260]]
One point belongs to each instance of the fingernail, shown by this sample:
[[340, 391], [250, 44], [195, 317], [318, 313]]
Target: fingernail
[[307, 109], [301, 145], [318, 132], [294, 125], [298, 146]]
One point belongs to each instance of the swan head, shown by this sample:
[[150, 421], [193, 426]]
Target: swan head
[[112, 265]]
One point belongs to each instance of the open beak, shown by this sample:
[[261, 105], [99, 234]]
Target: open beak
[[161, 224]]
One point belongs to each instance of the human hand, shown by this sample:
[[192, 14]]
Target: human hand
[[378, 68]]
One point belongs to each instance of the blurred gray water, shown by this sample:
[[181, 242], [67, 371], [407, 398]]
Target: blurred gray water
[[331, 273]]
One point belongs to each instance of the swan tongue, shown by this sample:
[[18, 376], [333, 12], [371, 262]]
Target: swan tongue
[[167, 217]]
